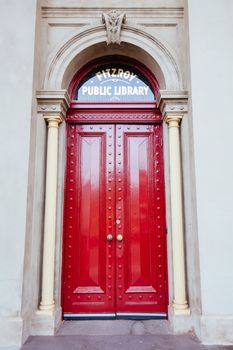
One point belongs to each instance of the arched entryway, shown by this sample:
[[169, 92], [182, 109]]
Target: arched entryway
[[53, 103], [114, 248]]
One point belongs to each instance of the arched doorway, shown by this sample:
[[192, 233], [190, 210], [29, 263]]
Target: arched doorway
[[114, 248]]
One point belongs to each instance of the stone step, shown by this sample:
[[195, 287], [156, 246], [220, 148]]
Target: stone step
[[115, 327]]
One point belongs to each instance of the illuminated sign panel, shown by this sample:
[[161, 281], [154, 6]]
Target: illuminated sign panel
[[114, 83]]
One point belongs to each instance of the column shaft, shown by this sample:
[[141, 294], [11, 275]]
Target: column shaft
[[47, 298], [180, 300]]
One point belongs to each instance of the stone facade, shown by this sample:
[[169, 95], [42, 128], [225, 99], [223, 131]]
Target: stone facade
[[187, 47]]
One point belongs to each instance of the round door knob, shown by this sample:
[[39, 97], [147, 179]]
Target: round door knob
[[119, 238], [109, 237]]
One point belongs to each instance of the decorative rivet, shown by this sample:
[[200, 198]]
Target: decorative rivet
[[120, 297], [109, 297]]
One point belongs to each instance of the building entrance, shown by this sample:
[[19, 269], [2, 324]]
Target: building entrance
[[114, 261]]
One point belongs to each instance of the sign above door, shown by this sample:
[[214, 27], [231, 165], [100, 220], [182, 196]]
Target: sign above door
[[114, 82]]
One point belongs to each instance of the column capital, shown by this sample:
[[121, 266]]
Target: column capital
[[53, 121], [53, 103], [173, 104], [173, 120]]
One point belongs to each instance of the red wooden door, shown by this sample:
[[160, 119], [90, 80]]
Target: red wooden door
[[114, 245]]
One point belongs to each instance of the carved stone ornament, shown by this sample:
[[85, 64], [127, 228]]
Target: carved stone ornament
[[113, 21]]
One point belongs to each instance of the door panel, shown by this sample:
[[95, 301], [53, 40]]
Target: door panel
[[89, 261], [114, 186], [140, 279]]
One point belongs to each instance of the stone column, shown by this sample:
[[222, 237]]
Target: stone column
[[47, 295], [180, 304], [174, 105]]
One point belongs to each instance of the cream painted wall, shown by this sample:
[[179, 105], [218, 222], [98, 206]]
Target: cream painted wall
[[16, 71], [211, 57]]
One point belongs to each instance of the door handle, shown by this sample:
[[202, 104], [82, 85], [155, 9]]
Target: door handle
[[119, 237], [109, 237]]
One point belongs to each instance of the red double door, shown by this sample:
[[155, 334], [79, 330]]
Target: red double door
[[115, 240]]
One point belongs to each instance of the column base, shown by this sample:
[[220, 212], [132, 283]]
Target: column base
[[181, 309], [46, 322], [180, 320], [46, 309]]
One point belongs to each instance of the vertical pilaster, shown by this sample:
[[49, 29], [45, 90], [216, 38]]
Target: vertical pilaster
[[173, 105], [52, 105]]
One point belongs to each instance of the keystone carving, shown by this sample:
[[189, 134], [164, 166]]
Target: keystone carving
[[113, 21]]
